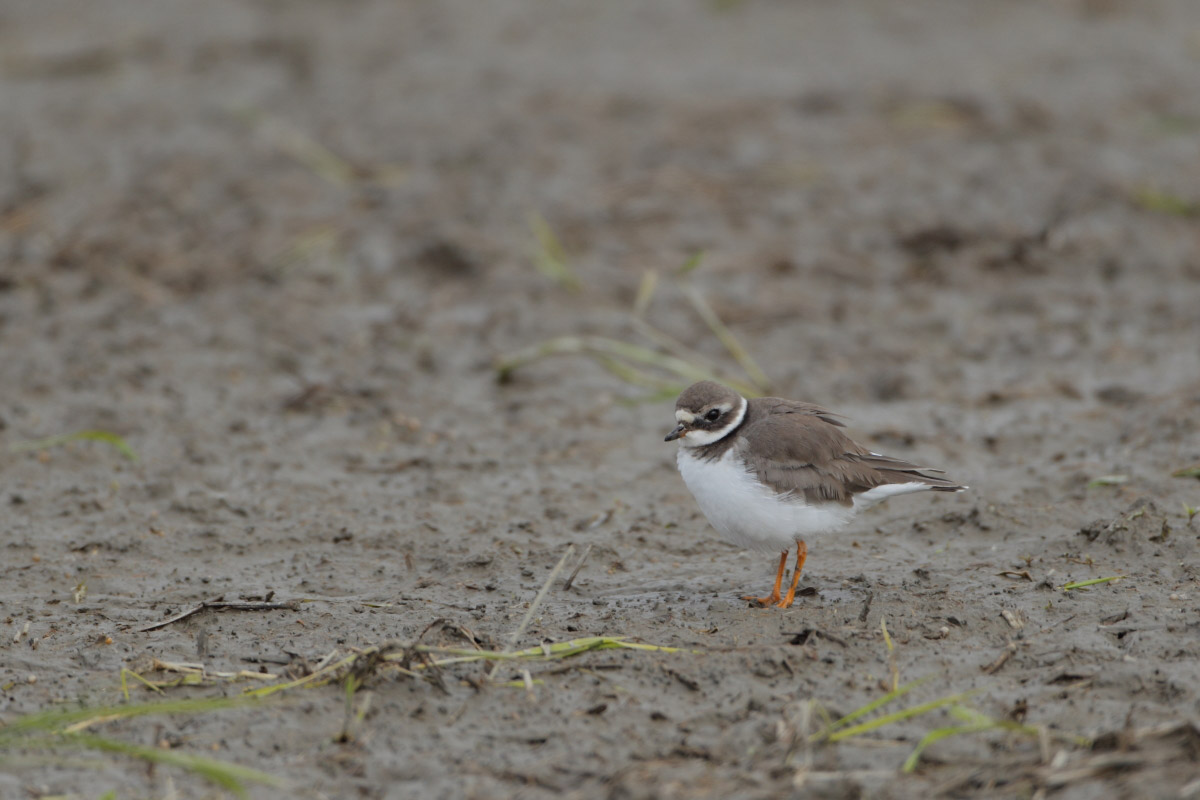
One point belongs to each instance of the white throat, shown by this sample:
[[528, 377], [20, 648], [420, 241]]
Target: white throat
[[698, 438]]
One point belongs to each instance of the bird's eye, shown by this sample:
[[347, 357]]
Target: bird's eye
[[712, 416]]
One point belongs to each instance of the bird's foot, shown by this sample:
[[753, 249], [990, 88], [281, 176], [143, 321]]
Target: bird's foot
[[772, 599]]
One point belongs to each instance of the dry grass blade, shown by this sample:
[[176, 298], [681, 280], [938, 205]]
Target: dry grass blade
[[637, 377], [318, 158], [551, 257], [735, 348], [672, 345], [420, 660], [893, 666], [544, 652], [602, 347], [89, 435], [540, 596], [322, 675]]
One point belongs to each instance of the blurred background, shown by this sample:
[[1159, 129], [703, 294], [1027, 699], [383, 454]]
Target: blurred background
[[426, 275]]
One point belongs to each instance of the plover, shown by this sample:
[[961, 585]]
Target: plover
[[769, 472]]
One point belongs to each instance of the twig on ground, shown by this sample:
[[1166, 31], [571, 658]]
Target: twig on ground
[[582, 560], [995, 666], [221, 605]]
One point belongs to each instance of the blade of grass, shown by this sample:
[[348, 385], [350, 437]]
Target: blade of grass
[[661, 396], [59, 718], [735, 348], [1162, 201], [89, 435], [634, 376], [591, 345], [318, 677], [672, 345], [232, 777], [691, 264], [540, 596], [869, 707], [645, 293], [125, 672], [975, 722], [937, 735], [1066, 587], [551, 257], [893, 667], [548, 652], [897, 716], [1108, 480], [308, 152], [1187, 472]]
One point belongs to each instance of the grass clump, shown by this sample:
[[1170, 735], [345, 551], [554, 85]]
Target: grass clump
[[664, 366]]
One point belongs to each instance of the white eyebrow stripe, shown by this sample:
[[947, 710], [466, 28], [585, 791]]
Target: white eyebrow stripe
[[684, 416]]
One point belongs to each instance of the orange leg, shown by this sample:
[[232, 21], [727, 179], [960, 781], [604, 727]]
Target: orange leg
[[773, 598], [801, 557]]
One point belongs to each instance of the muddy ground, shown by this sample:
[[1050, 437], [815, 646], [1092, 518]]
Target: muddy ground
[[279, 247]]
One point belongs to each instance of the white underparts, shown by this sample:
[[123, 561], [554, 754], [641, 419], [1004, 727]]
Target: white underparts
[[752, 515], [748, 514]]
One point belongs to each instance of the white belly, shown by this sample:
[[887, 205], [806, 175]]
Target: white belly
[[751, 515]]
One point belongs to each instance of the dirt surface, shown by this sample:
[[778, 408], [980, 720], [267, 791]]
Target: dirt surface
[[279, 247]]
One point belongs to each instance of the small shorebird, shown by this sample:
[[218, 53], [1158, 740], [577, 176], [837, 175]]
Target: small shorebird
[[770, 472]]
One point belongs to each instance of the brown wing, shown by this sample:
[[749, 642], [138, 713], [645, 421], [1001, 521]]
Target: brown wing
[[769, 406], [808, 455]]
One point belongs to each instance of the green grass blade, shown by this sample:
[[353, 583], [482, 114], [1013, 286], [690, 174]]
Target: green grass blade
[[645, 293], [872, 706], [1162, 201], [1187, 472], [1108, 480], [897, 716], [89, 435], [1066, 587], [57, 719], [550, 257], [232, 777], [692, 263], [937, 735]]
